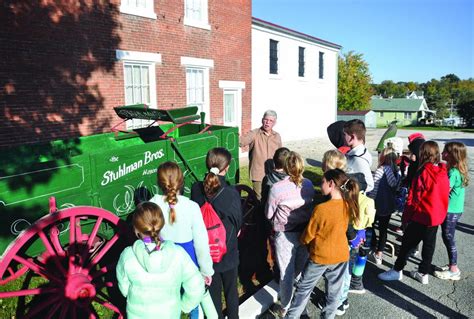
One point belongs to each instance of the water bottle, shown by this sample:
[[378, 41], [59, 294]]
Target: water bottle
[[359, 264]]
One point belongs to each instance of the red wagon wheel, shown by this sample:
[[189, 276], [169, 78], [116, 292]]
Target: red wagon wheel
[[67, 250]]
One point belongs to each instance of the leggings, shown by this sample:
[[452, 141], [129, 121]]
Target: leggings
[[447, 233], [383, 226]]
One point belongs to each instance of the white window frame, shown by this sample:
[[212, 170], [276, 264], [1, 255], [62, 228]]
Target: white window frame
[[147, 12], [141, 58], [236, 87], [202, 23], [407, 116], [205, 65], [381, 114]]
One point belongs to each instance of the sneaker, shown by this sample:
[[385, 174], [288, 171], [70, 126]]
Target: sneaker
[[442, 268], [375, 258], [415, 253], [321, 303], [345, 304], [448, 274], [340, 311], [423, 278], [357, 290], [391, 275], [277, 310]]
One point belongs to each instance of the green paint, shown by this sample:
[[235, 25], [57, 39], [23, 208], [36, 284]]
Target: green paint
[[99, 170]]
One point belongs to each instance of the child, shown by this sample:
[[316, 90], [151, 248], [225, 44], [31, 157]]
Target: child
[[425, 210], [152, 273], [183, 221], [386, 182], [277, 174], [226, 203], [326, 237], [289, 209], [333, 159], [359, 159], [454, 154]]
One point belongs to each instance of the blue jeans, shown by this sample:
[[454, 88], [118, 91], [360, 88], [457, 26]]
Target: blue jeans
[[447, 233], [310, 277], [291, 257]]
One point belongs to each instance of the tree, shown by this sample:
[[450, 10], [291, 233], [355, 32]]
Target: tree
[[465, 102], [354, 88]]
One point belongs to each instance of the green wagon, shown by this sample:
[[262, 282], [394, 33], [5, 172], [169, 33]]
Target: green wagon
[[63, 205]]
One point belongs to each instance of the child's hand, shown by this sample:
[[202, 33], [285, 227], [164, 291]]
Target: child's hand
[[208, 280], [359, 239]]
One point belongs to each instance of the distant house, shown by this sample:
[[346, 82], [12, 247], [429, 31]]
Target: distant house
[[368, 117], [296, 75], [406, 111]]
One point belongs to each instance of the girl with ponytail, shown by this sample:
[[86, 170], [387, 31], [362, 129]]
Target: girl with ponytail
[[183, 222], [155, 275], [326, 237], [226, 202], [288, 208]]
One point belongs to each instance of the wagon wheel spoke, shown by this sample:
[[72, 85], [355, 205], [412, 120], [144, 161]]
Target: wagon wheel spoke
[[52, 252], [92, 236], [102, 271], [104, 250], [28, 292], [41, 306], [54, 236], [64, 310], [54, 309], [37, 269], [13, 274], [72, 244]]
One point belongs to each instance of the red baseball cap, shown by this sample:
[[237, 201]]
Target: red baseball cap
[[414, 136]]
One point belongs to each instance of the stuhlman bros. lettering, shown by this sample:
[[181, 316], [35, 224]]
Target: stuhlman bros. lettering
[[124, 169]]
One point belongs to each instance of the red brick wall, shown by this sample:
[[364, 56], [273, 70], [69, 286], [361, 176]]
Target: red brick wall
[[59, 77]]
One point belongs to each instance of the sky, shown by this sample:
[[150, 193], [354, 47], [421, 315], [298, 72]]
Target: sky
[[401, 40]]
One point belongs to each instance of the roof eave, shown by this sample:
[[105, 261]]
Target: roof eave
[[275, 27]]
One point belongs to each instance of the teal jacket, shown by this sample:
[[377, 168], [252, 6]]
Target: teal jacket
[[152, 282]]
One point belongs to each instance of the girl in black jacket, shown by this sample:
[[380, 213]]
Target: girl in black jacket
[[226, 202]]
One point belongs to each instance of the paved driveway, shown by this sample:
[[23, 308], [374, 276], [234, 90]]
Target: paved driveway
[[408, 298]]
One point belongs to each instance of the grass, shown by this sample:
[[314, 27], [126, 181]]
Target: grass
[[435, 128]]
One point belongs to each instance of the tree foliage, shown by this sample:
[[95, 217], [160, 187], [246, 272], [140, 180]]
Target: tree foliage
[[439, 94], [354, 88]]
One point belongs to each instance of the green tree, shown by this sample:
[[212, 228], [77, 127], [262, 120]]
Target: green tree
[[354, 88]]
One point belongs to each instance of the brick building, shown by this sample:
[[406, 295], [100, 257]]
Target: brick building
[[63, 67]]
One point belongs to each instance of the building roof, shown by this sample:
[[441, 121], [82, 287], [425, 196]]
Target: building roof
[[276, 27], [397, 104], [353, 112]]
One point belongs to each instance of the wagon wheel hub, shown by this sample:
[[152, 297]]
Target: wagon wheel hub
[[79, 286]]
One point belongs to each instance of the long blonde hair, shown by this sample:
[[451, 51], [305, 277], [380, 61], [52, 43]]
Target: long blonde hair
[[170, 181], [333, 159], [294, 167], [349, 190], [457, 158], [148, 220]]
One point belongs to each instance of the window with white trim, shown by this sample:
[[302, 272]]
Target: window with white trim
[[381, 114], [197, 82], [139, 78], [195, 87], [321, 65], [195, 14], [407, 115], [142, 8]]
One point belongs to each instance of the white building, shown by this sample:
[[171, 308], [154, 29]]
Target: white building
[[296, 75]]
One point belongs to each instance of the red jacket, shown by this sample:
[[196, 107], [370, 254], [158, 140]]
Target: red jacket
[[428, 197]]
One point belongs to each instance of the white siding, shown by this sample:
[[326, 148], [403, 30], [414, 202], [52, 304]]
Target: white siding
[[305, 106]]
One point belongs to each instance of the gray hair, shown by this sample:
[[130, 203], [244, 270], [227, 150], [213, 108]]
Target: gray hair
[[271, 113]]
